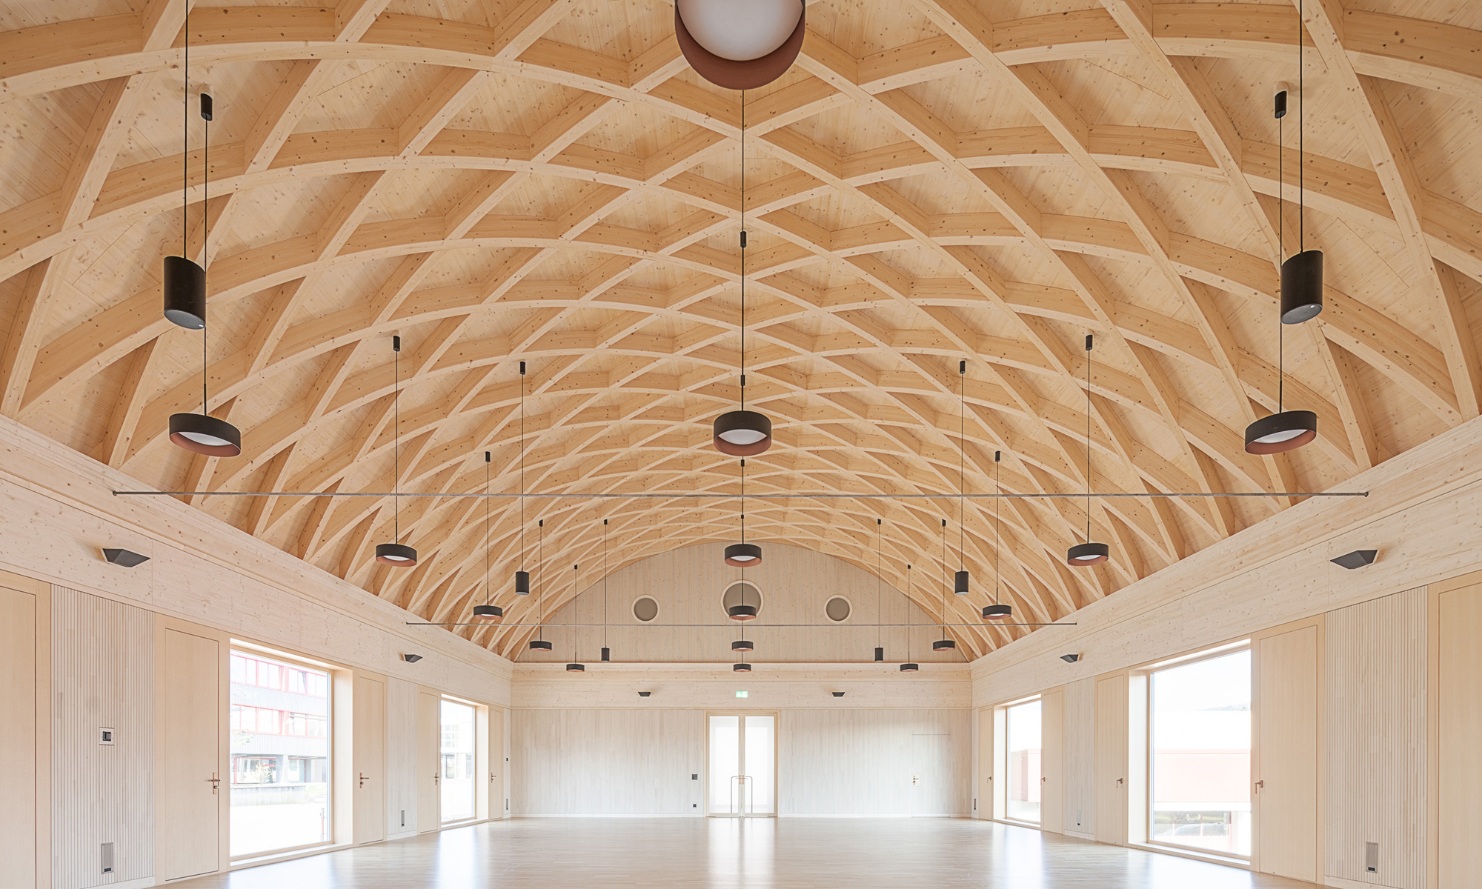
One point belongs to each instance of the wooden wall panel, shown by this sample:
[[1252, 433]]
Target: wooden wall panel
[[103, 672], [1111, 759], [19, 738], [795, 584], [1375, 722], [370, 790], [401, 757], [188, 735], [607, 762], [1080, 758], [1459, 726], [1052, 761], [1285, 764], [427, 771], [861, 762]]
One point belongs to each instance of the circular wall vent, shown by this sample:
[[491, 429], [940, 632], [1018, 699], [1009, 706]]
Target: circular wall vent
[[837, 609], [645, 609]]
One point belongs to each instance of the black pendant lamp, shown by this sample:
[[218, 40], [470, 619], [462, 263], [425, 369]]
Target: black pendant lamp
[[185, 281], [909, 666], [522, 577], [742, 433], [540, 643], [1301, 274], [185, 304], [998, 611], [741, 667], [743, 554], [960, 581], [576, 666], [606, 652], [739, 46], [1288, 430], [1090, 552], [944, 644], [879, 589], [487, 612], [396, 553]]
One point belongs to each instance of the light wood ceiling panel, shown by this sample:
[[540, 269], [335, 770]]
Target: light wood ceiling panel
[[547, 181]]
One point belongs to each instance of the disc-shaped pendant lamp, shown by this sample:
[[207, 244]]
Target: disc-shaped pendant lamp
[[488, 612], [576, 666], [1090, 552], [944, 644], [909, 666], [540, 643], [743, 554], [998, 611], [396, 553], [739, 46], [185, 304], [1301, 278], [741, 667], [741, 432], [743, 645]]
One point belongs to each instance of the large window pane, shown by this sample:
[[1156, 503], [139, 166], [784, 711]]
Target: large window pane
[[459, 735], [1023, 726], [280, 755], [1200, 739]]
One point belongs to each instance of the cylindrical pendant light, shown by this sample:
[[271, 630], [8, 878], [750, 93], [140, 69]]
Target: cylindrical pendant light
[[909, 666], [396, 553], [522, 577], [741, 667], [1089, 553], [743, 554], [184, 280], [739, 46], [944, 644], [998, 611], [742, 645], [742, 433], [185, 304], [1301, 274], [879, 589], [606, 652], [1301, 299], [488, 611], [539, 643], [576, 666], [960, 581]]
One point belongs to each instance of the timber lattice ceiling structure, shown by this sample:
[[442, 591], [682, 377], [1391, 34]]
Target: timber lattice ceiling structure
[[548, 181]]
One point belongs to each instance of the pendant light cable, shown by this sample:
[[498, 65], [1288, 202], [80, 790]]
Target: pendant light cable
[[185, 150], [396, 440], [997, 526], [524, 553], [488, 458], [205, 222], [1281, 236], [1302, 125], [961, 464], [879, 581], [575, 617], [539, 562], [910, 615], [743, 252], [1088, 437], [944, 578], [604, 583]]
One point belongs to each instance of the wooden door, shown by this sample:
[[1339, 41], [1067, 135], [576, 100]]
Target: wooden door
[[931, 769], [189, 779], [18, 739], [1111, 760], [1459, 724], [985, 763], [1285, 765], [1052, 761], [497, 806], [429, 761], [369, 703]]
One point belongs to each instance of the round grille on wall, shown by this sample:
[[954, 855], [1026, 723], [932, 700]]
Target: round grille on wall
[[646, 608], [733, 596], [837, 609]]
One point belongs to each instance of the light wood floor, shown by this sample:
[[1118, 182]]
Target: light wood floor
[[797, 853]]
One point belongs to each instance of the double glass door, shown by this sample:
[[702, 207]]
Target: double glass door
[[742, 779]]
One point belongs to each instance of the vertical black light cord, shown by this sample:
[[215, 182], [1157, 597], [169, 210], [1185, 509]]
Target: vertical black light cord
[[539, 560], [396, 438], [910, 616], [962, 463], [185, 147], [997, 524], [575, 627], [944, 578], [743, 250], [1301, 126], [487, 459], [524, 553], [205, 234], [604, 583], [1088, 437], [743, 506], [1281, 251], [879, 580]]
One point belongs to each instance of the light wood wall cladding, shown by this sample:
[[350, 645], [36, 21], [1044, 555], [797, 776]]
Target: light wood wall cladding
[[1458, 725], [1375, 723], [551, 183], [22, 695], [401, 758], [608, 762], [103, 672], [1080, 758], [795, 584], [862, 762]]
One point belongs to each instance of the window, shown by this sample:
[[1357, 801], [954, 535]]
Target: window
[[280, 747], [1022, 761], [459, 761], [1199, 739]]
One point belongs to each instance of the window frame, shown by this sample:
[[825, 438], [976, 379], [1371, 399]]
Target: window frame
[[1002, 754]]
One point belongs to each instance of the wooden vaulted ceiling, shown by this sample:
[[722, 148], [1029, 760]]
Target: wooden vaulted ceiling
[[548, 181]]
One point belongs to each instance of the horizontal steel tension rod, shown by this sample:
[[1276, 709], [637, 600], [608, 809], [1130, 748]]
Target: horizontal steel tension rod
[[777, 495]]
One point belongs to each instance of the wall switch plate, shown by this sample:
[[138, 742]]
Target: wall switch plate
[[694, 776], [1371, 857], [106, 857], [403, 817], [105, 736]]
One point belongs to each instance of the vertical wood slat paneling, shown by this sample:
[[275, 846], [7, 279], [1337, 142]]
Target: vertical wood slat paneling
[[401, 757], [103, 673], [1080, 758], [1375, 678]]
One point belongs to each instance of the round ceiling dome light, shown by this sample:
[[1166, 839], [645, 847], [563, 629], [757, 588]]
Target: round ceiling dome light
[[998, 612], [743, 555], [206, 435], [488, 613], [398, 554], [739, 46], [1090, 553], [742, 433], [1280, 432]]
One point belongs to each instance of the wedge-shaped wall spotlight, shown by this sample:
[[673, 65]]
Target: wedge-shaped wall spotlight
[[124, 558], [1357, 559], [411, 658], [1070, 658]]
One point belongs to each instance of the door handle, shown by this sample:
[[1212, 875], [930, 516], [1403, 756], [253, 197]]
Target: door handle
[[1121, 781], [1260, 784], [1043, 779], [215, 782], [363, 779], [915, 779], [437, 778]]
